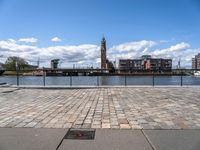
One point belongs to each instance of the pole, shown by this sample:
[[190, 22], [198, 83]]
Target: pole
[[70, 80], [97, 80], [44, 79], [17, 71], [153, 80], [17, 77], [181, 78], [125, 81]]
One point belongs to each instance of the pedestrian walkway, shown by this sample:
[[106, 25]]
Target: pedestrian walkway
[[105, 139], [115, 108]]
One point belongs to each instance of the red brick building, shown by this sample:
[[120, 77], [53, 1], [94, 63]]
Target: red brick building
[[146, 62], [196, 62]]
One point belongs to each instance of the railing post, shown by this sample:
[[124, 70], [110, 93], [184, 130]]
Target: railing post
[[97, 80], [125, 80], [181, 78], [44, 79], [153, 83], [17, 77], [70, 80], [17, 72]]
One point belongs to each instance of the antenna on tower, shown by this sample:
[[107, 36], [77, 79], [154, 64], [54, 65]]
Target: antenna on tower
[[103, 38]]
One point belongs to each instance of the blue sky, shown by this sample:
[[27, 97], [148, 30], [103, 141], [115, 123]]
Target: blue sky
[[77, 23]]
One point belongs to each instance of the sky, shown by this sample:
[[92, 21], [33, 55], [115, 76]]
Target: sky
[[71, 30]]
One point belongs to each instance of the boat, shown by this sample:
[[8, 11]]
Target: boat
[[197, 73]]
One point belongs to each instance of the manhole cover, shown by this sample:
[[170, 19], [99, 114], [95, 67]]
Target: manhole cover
[[80, 134]]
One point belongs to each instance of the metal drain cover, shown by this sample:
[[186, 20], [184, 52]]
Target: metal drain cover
[[80, 134]]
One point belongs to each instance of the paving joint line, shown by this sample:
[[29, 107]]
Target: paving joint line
[[149, 142], [61, 141]]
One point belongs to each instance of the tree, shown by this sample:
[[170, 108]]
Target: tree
[[10, 63]]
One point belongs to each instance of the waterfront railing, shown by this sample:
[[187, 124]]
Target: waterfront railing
[[176, 77]]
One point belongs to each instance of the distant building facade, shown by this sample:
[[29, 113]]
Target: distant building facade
[[158, 64], [130, 64], [54, 63], [146, 62], [196, 62]]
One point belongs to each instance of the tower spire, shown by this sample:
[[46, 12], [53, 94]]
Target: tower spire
[[103, 38]]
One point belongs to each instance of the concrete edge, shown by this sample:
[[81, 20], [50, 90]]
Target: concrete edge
[[92, 87], [101, 128]]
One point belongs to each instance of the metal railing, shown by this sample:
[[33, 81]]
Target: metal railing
[[71, 78], [124, 79]]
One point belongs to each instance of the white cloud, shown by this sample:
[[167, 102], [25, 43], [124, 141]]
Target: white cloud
[[131, 49], [180, 46], [87, 54], [178, 51], [172, 49], [56, 39], [134, 50], [12, 40], [28, 40], [133, 46]]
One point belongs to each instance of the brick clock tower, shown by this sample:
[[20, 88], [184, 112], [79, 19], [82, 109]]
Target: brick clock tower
[[103, 54]]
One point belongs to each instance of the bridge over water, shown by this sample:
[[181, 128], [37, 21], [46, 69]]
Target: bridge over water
[[91, 71], [97, 71]]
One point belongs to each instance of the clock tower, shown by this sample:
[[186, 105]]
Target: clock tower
[[103, 54]]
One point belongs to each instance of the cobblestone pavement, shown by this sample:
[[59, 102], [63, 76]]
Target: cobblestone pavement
[[125, 108]]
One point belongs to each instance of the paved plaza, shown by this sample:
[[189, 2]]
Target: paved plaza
[[105, 139], [115, 108]]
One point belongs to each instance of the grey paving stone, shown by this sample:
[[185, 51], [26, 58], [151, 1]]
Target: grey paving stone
[[110, 139], [30, 139], [135, 108], [174, 139]]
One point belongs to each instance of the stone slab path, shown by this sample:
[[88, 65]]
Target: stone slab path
[[117, 108], [104, 139]]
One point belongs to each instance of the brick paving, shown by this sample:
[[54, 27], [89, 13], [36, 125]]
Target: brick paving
[[125, 108]]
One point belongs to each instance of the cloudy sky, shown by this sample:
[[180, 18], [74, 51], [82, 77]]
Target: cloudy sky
[[71, 30]]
